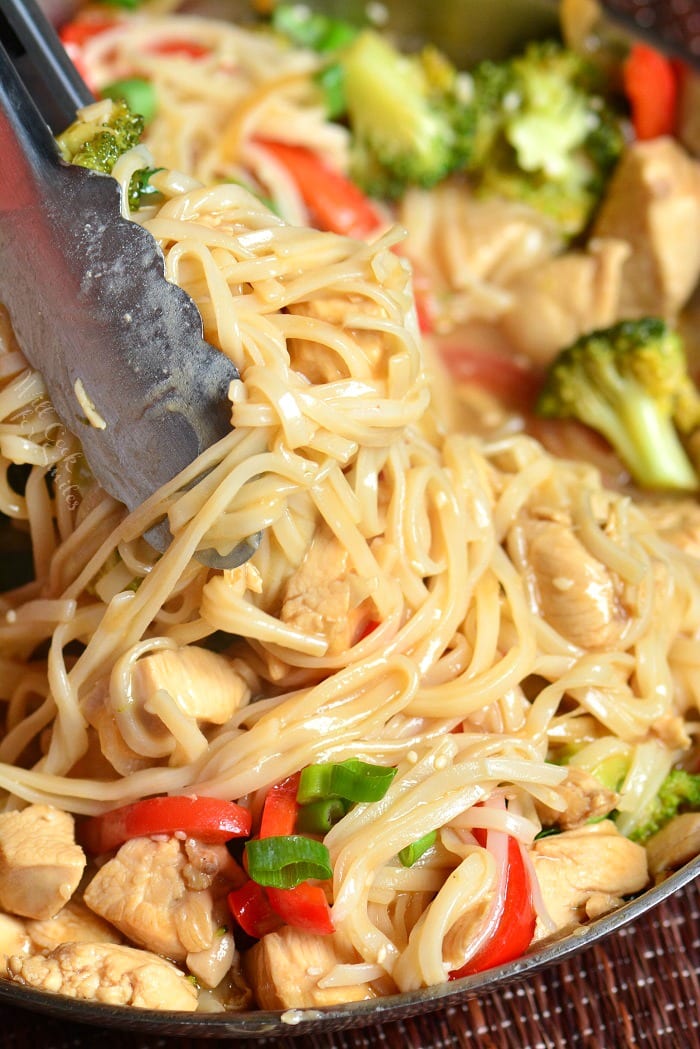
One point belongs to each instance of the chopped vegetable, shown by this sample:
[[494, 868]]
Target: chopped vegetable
[[280, 809], [176, 46], [541, 135], [285, 861], [207, 819], [652, 90], [630, 383], [354, 780], [514, 381], [312, 29], [99, 138], [405, 114], [679, 792], [76, 33], [278, 862], [97, 141], [317, 817], [516, 925], [251, 908], [336, 204], [139, 95], [140, 189], [305, 907], [413, 852]]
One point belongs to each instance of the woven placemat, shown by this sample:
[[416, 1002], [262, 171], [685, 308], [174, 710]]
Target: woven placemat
[[639, 987]]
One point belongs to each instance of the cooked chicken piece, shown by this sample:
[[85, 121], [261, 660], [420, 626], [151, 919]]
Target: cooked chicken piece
[[155, 894], [14, 940], [468, 248], [74, 923], [317, 361], [576, 594], [99, 712], [586, 872], [203, 684], [323, 596], [674, 844], [40, 863], [284, 969], [585, 797], [555, 302], [109, 973], [653, 203]]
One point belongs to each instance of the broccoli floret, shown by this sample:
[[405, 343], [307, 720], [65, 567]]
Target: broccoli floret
[[630, 383], [679, 792], [542, 135], [101, 135], [408, 124]]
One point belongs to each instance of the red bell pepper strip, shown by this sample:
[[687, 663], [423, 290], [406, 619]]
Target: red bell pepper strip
[[251, 908], [305, 907], [259, 909], [207, 819], [336, 203], [187, 48], [516, 925], [75, 34], [514, 381], [651, 87], [280, 810]]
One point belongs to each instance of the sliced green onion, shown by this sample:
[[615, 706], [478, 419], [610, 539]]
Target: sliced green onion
[[139, 95], [331, 82], [285, 861], [319, 816], [415, 850], [311, 29], [353, 780]]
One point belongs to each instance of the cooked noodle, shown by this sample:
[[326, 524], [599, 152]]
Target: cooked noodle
[[439, 658]]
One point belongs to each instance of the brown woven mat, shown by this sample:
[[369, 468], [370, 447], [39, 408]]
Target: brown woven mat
[[641, 986]]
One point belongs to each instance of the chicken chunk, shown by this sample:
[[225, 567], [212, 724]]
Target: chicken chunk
[[74, 923], [653, 203], [40, 863], [576, 594], [285, 967], [586, 872], [585, 799], [324, 596], [469, 248], [158, 898], [14, 940], [109, 973], [555, 302], [674, 844], [203, 684]]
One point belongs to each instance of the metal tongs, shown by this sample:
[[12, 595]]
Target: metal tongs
[[87, 295]]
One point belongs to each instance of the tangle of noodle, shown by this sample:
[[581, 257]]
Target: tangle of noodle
[[396, 594]]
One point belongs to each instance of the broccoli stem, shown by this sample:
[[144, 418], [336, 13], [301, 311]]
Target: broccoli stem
[[648, 444]]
